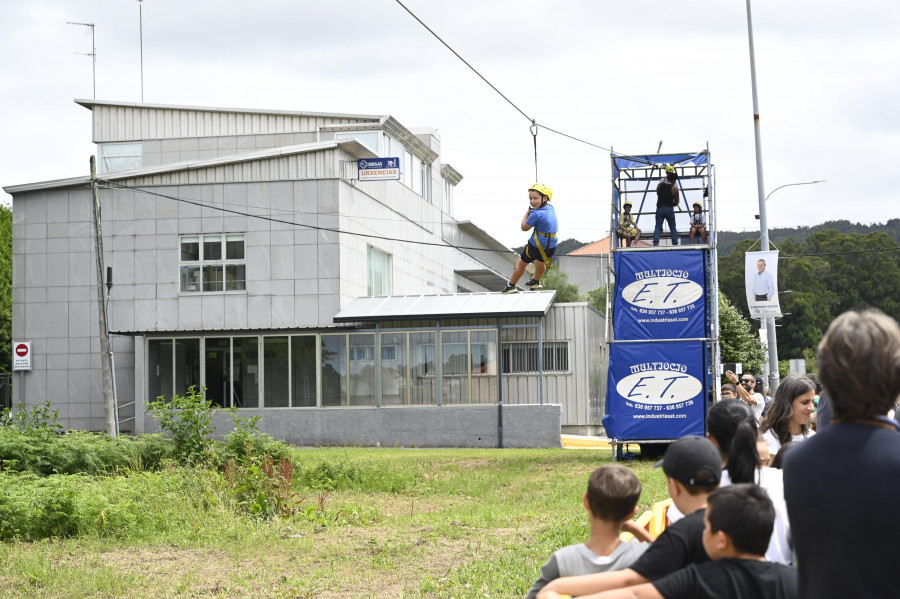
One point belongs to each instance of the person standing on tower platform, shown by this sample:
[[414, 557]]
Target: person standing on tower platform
[[667, 197]]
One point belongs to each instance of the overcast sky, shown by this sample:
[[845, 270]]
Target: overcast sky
[[623, 74]]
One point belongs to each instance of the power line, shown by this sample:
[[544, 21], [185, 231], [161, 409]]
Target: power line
[[112, 184], [534, 123], [455, 53]]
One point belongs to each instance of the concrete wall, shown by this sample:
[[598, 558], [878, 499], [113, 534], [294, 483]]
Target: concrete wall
[[456, 426]]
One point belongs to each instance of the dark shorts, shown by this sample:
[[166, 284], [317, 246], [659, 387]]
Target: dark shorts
[[530, 253]]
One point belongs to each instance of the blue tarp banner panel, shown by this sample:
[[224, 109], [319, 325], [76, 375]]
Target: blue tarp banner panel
[[656, 390], [660, 295], [638, 161]]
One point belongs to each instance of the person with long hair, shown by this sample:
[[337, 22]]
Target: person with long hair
[[787, 418], [732, 429]]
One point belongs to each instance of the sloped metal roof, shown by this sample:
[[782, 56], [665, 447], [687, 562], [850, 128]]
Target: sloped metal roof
[[446, 306]]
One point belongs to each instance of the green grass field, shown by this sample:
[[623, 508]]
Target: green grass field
[[370, 523]]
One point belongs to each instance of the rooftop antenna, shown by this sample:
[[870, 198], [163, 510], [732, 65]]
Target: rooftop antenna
[[93, 53], [141, 23]]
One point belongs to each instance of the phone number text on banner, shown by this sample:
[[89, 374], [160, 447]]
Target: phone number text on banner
[[660, 295], [656, 390]]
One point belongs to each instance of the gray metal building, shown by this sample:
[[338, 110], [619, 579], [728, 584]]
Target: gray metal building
[[235, 237]]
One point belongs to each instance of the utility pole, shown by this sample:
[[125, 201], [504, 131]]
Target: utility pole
[[105, 354], [763, 222]]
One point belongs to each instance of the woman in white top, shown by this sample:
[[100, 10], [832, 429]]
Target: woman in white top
[[732, 429], [787, 418]]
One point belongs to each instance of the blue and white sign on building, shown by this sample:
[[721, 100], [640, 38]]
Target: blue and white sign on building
[[656, 390], [660, 295], [379, 169]]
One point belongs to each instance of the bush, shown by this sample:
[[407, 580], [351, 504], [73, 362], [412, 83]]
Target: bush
[[188, 419], [78, 452], [246, 441]]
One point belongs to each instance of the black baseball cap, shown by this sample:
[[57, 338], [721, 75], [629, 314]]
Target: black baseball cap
[[693, 460]]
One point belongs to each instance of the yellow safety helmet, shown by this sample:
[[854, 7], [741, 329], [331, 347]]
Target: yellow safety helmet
[[542, 189], [627, 203], [670, 168], [697, 204]]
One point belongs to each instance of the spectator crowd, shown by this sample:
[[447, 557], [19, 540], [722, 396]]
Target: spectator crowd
[[794, 496]]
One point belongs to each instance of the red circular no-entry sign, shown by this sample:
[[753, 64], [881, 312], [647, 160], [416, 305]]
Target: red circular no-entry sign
[[21, 350]]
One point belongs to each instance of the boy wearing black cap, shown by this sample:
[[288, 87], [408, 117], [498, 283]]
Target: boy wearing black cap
[[693, 469]]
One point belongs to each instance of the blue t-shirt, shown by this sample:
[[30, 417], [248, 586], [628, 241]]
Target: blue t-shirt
[[544, 221]]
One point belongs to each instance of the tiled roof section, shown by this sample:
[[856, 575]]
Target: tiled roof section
[[600, 248]]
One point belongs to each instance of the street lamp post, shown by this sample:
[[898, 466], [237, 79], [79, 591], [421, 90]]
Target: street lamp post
[[760, 189]]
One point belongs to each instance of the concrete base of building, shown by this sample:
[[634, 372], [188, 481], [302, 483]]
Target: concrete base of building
[[532, 426]]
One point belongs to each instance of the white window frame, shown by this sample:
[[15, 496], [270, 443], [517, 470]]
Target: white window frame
[[203, 263], [384, 287]]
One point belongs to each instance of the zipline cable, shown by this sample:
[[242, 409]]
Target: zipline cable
[[534, 124], [113, 185]]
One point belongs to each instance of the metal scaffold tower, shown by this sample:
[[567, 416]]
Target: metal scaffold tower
[[664, 354]]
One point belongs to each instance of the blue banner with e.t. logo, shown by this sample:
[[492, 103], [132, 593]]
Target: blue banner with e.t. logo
[[660, 295], [656, 390]]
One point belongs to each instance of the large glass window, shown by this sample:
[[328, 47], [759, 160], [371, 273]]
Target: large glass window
[[187, 365], [454, 367], [159, 361], [245, 378], [277, 383], [363, 377], [173, 367], [304, 371], [422, 369], [217, 361], [380, 279], [213, 263], [121, 157], [349, 367], [483, 346], [334, 370], [394, 388]]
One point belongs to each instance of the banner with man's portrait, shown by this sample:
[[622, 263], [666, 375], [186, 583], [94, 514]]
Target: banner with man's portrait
[[761, 282]]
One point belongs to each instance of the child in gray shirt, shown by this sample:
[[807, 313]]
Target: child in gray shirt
[[611, 501]]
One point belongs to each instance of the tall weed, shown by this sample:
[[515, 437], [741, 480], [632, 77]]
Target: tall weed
[[188, 419]]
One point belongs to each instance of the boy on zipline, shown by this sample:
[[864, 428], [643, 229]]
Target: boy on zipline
[[542, 244]]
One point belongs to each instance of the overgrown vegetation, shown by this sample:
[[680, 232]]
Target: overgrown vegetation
[[369, 523], [248, 516]]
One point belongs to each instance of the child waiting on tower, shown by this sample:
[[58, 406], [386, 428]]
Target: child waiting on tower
[[611, 502], [698, 225], [627, 226], [541, 246]]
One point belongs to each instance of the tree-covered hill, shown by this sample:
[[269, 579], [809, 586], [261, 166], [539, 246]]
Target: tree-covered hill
[[729, 239]]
